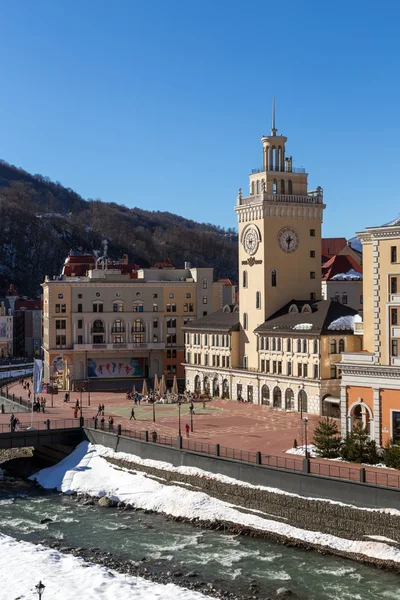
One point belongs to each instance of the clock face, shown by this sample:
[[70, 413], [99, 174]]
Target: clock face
[[250, 241], [288, 240]]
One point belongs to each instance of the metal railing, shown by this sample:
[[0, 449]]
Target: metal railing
[[43, 425], [279, 170]]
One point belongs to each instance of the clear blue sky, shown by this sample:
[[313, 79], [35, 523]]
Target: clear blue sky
[[161, 103]]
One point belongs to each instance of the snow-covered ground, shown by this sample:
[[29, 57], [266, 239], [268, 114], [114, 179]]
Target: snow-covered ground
[[23, 565], [301, 451], [15, 372], [86, 471]]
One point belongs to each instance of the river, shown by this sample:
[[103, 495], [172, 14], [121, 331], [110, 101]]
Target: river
[[236, 560]]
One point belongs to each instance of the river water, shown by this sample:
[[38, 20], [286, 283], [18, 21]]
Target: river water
[[213, 555]]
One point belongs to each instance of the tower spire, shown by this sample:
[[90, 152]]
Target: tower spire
[[273, 128]]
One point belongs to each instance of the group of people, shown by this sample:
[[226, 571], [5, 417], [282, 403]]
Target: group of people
[[39, 405], [14, 422], [103, 421]]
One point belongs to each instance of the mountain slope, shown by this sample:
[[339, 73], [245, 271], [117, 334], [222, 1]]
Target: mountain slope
[[41, 220]]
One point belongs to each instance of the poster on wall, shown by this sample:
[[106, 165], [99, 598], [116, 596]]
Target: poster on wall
[[59, 364], [123, 367]]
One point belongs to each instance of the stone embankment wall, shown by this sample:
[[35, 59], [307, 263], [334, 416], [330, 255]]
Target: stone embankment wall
[[314, 515]]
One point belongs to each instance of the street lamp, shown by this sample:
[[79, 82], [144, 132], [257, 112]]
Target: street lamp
[[154, 409], [40, 589], [191, 419], [179, 417], [88, 391], [301, 393], [305, 435]]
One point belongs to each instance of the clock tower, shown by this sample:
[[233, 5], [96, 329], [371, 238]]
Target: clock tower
[[279, 241]]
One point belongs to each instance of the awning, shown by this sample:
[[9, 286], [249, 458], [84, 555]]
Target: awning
[[332, 400]]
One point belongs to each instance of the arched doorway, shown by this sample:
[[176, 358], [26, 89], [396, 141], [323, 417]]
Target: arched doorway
[[265, 395], [302, 402], [289, 399], [360, 413], [215, 387], [277, 397], [206, 385], [197, 385], [225, 389]]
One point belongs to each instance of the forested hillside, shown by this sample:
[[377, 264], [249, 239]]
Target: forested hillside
[[41, 220]]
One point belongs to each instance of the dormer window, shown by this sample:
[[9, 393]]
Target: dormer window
[[306, 309]]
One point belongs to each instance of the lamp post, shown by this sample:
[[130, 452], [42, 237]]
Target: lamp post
[[154, 409], [301, 400], [191, 419], [40, 589], [179, 418], [305, 435]]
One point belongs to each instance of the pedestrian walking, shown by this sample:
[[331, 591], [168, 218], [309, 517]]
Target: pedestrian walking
[[204, 405], [99, 410], [75, 412], [154, 436], [110, 424], [12, 417], [102, 410], [132, 415], [95, 420], [187, 429], [102, 423]]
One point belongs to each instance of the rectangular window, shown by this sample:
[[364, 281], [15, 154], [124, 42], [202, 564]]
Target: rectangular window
[[299, 370], [204, 299], [168, 353], [279, 367], [60, 324], [57, 308], [315, 371], [80, 324], [393, 254], [60, 340], [168, 307], [173, 353], [393, 285], [188, 294], [289, 345], [79, 295], [333, 372], [262, 365], [312, 232], [94, 307], [191, 307], [155, 295], [63, 308], [80, 339], [361, 299], [155, 307], [185, 307], [171, 295], [312, 274], [313, 296], [80, 308], [204, 284], [204, 313], [115, 307], [173, 306], [267, 366], [155, 323], [305, 370], [206, 359], [312, 253], [395, 348], [274, 366], [289, 368], [394, 316]]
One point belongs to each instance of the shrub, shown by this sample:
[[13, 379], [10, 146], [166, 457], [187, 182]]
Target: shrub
[[391, 455], [359, 448], [327, 440]]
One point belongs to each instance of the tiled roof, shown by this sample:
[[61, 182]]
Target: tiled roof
[[339, 264], [332, 246], [323, 313], [220, 320]]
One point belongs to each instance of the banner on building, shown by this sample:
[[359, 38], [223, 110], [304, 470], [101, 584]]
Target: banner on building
[[37, 376], [124, 367]]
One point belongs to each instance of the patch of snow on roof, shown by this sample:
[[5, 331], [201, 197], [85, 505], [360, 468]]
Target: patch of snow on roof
[[351, 275], [347, 322], [303, 326]]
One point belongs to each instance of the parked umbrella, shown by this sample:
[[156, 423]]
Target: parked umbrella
[[145, 391], [156, 383], [175, 386], [163, 386]]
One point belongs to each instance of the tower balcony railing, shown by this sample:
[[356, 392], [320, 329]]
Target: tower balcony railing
[[293, 199], [279, 170]]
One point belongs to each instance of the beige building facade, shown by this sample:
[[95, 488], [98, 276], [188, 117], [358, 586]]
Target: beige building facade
[[112, 329]]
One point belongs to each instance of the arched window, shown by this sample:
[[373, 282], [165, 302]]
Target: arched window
[[289, 399], [252, 188], [315, 346], [258, 187], [305, 346], [118, 326], [298, 345], [333, 347], [245, 323], [118, 307], [273, 344], [138, 326], [244, 279], [282, 186], [197, 385], [258, 299], [290, 187], [137, 307], [277, 398], [273, 278], [279, 344], [341, 346], [302, 401], [265, 394], [98, 326], [344, 298], [274, 186]]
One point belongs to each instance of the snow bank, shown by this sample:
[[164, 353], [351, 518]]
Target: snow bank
[[23, 565], [86, 471], [301, 451], [351, 275], [303, 326]]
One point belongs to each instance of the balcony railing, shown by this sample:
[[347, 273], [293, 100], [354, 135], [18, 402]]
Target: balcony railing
[[278, 170], [292, 199]]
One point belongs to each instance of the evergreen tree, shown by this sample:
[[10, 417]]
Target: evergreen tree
[[391, 455], [326, 439], [359, 448]]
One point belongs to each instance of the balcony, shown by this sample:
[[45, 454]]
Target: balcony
[[288, 198], [278, 170], [121, 346]]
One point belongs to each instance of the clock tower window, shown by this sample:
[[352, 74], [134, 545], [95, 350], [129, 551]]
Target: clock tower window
[[282, 186], [244, 279], [273, 278]]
